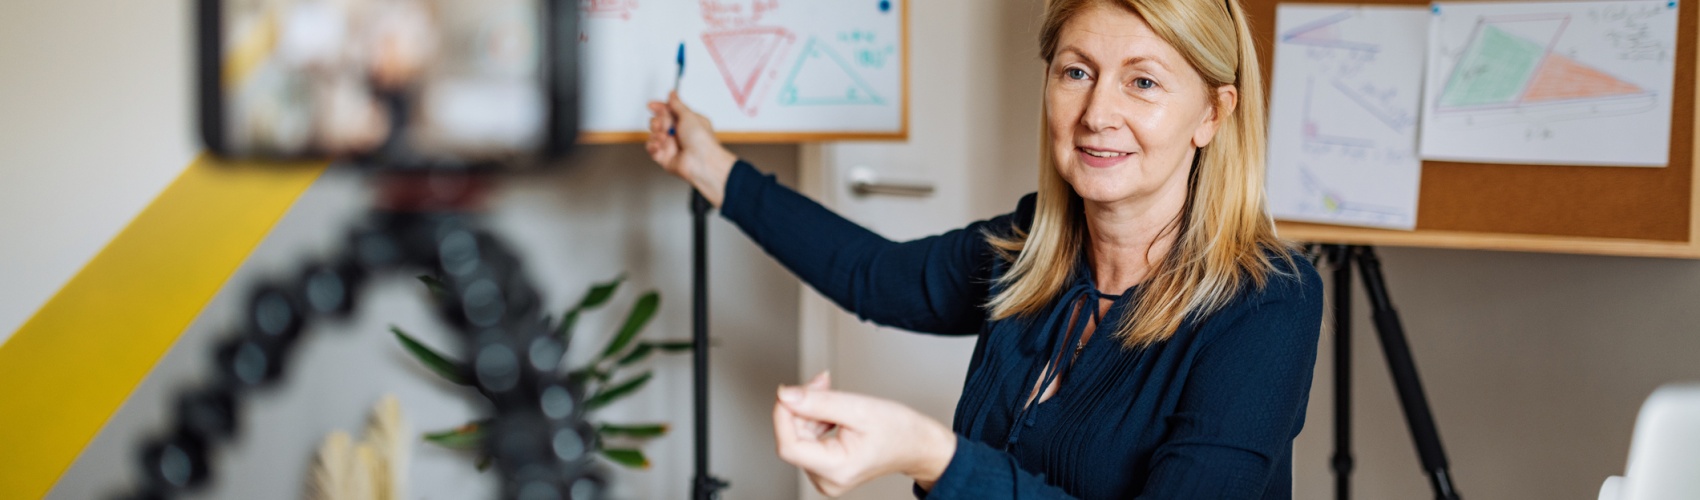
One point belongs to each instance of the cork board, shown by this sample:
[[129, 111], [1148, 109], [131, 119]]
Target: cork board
[[1571, 209]]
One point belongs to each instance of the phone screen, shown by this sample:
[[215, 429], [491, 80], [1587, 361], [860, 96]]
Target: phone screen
[[405, 82]]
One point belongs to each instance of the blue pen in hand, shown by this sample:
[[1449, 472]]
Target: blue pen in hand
[[681, 76]]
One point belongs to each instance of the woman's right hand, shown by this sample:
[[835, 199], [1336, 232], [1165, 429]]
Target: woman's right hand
[[683, 143]]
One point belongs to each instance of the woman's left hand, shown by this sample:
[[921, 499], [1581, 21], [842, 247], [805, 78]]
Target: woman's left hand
[[873, 437]]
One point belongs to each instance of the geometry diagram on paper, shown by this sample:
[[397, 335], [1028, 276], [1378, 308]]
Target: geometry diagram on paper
[[1326, 33], [1321, 200], [1343, 115], [822, 77], [1334, 114], [748, 59], [1550, 83], [1509, 72]]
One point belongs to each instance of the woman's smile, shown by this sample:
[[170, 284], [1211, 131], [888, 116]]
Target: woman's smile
[[1101, 158]]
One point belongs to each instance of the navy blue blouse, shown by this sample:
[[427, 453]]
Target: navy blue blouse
[[1209, 413]]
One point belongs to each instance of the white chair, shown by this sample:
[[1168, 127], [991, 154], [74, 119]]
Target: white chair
[[1664, 455]]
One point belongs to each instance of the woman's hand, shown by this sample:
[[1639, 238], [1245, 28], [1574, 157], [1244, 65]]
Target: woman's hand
[[842, 440], [683, 142]]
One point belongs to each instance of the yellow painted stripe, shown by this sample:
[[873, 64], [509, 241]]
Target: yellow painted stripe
[[67, 369]]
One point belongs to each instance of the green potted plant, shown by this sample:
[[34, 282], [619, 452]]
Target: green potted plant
[[604, 379]]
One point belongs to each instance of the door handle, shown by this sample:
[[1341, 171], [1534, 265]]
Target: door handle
[[864, 181]]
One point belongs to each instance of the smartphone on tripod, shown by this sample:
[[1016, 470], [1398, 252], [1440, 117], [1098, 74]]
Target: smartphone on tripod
[[395, 84]]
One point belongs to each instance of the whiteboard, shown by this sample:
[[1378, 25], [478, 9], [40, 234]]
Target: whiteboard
[[761, 70]]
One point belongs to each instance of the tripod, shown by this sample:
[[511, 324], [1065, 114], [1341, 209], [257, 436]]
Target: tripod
[[1399, 362], [703, 485], [538, 434]]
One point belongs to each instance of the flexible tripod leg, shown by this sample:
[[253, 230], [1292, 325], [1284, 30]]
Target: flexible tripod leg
[[1404, 370], [1342, 461]]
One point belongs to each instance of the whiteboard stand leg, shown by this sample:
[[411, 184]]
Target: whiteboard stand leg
[[703, 485], [1394, 347], [1342, 461]]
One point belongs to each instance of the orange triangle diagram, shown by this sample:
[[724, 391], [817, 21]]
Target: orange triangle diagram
[[747, 58], [1563, 79]]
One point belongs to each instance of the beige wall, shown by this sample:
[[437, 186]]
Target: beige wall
[[1535, 366]]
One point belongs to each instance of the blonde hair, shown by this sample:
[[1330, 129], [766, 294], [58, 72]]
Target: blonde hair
[[1225, 237]]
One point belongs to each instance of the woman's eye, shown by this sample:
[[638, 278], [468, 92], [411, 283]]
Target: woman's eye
[[1075, 73], [1144, 83]]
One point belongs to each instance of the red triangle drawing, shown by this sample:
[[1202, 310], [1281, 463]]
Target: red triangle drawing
[[743, 55], [1561, 79]]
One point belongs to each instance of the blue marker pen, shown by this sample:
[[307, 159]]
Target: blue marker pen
[[681, 76]]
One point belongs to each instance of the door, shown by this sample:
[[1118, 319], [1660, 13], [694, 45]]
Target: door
[[974, 80]]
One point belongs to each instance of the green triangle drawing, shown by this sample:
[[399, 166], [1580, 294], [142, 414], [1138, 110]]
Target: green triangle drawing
[[822, 77]]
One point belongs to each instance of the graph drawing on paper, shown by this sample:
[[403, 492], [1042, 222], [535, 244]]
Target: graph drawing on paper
[[1551, 82], [1343, 115], [1510, 73]]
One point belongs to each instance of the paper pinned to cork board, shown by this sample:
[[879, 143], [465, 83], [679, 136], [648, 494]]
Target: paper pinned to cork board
[[1551, 83], [1344, 114]]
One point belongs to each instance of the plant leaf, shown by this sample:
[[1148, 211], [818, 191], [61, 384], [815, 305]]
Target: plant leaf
[[674, 346], [638, 431], [611, 394], [600, 293], [638, 353], [484, 462], [627, 457], [642, 311], [465, 437], [447, 368], [433, 284]]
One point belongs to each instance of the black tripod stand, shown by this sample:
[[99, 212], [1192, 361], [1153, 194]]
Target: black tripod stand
[[703, 485], [1399, 362]]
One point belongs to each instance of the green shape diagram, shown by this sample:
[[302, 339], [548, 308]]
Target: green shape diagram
[[1494, 70], [822, 77]]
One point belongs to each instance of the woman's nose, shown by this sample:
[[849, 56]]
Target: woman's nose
[[1101, 111]]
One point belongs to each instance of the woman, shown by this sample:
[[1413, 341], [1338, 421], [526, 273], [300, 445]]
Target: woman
[[1149, 220]]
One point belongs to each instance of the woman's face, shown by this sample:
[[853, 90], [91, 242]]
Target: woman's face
[[1125, 110]]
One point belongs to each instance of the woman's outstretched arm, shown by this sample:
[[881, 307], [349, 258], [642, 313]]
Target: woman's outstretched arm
[[935, 284]]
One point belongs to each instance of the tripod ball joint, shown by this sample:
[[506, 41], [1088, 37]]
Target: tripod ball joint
[[544, 458], [274, 314], [175, 462], [209, 412], [245, 362], [328, 289]]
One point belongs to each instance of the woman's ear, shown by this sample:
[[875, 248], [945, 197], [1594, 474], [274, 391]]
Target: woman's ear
[[1224, 100]]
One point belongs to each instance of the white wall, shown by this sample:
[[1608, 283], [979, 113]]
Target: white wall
[[94, 121], [1535, 366]]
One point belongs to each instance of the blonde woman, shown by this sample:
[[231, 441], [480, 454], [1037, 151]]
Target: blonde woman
[[1142, 332]]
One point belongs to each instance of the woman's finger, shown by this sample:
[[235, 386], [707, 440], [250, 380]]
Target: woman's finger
[[822, 381], [677, 105], [833, 407], [809, 454]]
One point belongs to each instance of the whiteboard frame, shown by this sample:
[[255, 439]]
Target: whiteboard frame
[[745, 137]]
